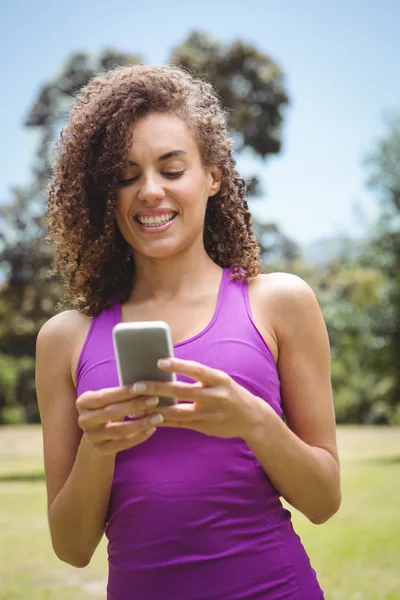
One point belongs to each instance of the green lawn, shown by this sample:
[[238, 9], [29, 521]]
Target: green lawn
[[356, 554]]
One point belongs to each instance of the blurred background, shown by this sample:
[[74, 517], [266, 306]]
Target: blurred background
[[315, 112]]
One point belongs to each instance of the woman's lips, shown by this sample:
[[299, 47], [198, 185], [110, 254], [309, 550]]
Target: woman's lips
[[155, 228]]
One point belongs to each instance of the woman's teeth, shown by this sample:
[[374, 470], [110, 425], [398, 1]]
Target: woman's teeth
[[155, 221]]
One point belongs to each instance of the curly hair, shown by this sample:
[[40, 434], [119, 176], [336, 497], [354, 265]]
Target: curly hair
[[93, 259]]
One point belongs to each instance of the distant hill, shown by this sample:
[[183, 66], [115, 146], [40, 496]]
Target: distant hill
[[319, 252]]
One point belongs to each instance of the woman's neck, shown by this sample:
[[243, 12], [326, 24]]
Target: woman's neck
[[169, 279]]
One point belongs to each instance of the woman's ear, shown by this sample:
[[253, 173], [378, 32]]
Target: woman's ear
[[215, 181]]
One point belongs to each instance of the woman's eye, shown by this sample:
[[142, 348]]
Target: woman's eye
[[169, 174], [123, 182], [173, 174]]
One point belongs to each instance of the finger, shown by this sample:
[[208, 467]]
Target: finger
[[181, 412], [138, 407], [193, 424], [118, 430], [172, 389], [189, 416], [100, 398], [111, 447], [193, 369]]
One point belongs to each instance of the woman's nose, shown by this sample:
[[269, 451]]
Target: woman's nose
[[151, 190]]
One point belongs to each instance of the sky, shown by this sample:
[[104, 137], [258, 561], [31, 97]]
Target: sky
[[340, 60]]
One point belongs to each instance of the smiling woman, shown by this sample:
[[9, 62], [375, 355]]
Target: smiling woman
[[100, 158], [164, 191], [150, 222]]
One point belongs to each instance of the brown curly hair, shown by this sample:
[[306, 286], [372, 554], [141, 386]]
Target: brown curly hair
[[93, 259]]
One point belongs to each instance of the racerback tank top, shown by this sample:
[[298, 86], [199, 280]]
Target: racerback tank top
[[191, 516]]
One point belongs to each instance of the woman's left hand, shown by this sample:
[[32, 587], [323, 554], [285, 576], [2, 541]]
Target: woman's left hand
[[216, 404]]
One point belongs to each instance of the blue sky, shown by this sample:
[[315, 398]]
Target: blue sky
[[341, 61]]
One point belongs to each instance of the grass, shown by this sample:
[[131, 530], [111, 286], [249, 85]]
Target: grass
[[356, 554]]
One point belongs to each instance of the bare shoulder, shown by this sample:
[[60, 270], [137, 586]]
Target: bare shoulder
[[283, 287], [63, 326], [285, 299], [64, 335], [61, 330]]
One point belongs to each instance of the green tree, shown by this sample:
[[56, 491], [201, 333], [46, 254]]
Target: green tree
[[28, 297], [249, 82], [350, 297], [251, 86], [359, 294], [383, 253]]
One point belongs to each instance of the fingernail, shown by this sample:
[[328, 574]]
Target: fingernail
[[138, 387], [163, 362], [156, 420], [153, 401]]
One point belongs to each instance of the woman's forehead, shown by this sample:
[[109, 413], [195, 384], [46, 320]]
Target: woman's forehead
[[161, 135]]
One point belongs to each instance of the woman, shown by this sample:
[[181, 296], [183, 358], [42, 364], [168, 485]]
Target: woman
[[150, 223]]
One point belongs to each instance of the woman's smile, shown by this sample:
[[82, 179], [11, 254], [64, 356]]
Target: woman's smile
[[156, 222]]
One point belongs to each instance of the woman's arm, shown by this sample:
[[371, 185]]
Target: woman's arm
[[300, 457], [78, 479]]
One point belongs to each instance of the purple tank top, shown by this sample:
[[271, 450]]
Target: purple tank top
[[195, 517]]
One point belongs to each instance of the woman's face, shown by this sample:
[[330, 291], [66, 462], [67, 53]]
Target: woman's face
[[162, 194]]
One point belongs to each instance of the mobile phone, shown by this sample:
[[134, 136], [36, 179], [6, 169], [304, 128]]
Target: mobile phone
[[137, 347]]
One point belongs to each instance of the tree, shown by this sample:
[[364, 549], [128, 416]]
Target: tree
[[350, 297], [249, 82], [359, 294], [251, 86], [360, 299], [383, 252], [27, 296]]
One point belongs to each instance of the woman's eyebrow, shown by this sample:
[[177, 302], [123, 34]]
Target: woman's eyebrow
[[165, 156]]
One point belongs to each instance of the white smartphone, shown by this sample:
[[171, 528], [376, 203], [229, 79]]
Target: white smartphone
[[138, 346]]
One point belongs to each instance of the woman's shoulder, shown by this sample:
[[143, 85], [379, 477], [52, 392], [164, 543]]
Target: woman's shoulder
[[64, 332], [281, 286], [63, 326], [282, 299]]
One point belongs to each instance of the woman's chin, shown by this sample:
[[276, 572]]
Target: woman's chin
[[160, 251]]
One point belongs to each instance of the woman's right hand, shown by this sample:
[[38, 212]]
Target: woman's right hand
[[102, 414]]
